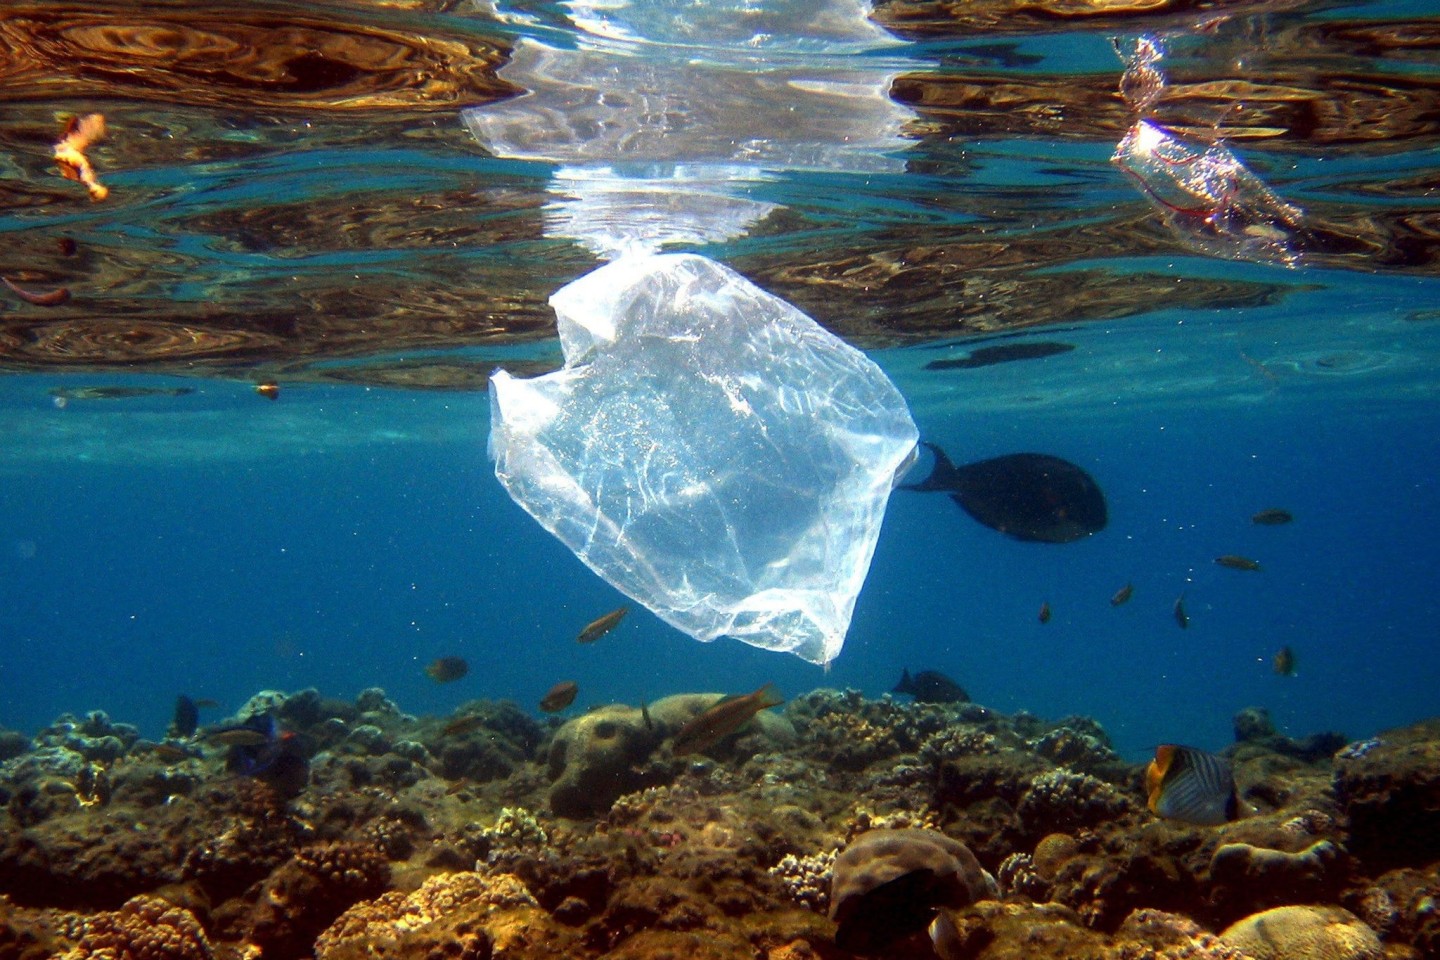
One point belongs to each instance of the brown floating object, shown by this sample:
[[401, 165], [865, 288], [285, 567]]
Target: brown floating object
[[270, 391], [80, 133], [600, 626], [50, 298], [560, 696]]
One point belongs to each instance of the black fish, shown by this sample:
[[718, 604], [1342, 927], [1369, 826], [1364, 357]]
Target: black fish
[[1028, 496], [931, 686], [1005, 353], [187, 717]]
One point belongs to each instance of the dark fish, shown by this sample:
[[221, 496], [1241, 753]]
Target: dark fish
[[187, 717], [67, 246], [169, 753], [50, 298], [1028, 496], [447, 669], [118, 393], [1272, 517], [723, 719], [1183, 783], [1180, 617], [1005, 353], [1284, 662], [1044, 616], [462, 725], [1122, 595], [560, 696], [931, 686], [278, 757], [1235, 562], [600, 626]]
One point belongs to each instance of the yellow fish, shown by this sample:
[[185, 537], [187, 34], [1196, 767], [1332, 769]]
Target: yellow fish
[[723, 719]]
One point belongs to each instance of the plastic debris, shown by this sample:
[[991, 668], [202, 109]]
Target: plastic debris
[[709, 450]]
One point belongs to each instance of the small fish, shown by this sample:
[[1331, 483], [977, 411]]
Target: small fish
[[1272, 517], [456, 787], [80, 133], [1284, 662], [946, 939], [240, 735], [269, 390], [118, 393], [169, 753], [462, 725], [205, 703], [1236, 562], [1044, 616], [1180, 617], [723, 719], [50, 298], [931, 686], [560, 696], [187, 717], [1122, 595], [600, 626], [1183, 783], [447, 669]]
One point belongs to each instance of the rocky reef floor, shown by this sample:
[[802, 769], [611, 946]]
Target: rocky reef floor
[[354, 830]]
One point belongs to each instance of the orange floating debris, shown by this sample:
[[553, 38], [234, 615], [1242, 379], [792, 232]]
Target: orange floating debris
[[270, 391], [80, 133], [50, 298]]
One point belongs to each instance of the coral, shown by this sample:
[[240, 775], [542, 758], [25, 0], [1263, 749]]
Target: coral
[[595, 758], [1245, 876], [1051, 853], [1253, 723], [447, 916], [806, 879], [1064, 800], [307, 893], [514, 833], [1390, 793], [1017, 875], [145, 928], [1157, 935], [887, 884], [1304, 933]]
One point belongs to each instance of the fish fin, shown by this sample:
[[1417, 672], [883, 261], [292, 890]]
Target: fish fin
[[769, 696], [942, 472]]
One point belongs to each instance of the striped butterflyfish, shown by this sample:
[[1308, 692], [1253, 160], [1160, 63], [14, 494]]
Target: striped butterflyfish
[[1187, 784]]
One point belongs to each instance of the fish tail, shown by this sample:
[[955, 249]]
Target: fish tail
[[940, 471], [769, 696]]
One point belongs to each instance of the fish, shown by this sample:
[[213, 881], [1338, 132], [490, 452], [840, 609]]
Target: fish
[[931, 686], [1183, 783], [1180, 616], [245, 734], [1004, 353], [80, 133], [206, 703], [560, 696], [118, 393], [1044, 616], [50, 298], [1236, 562], [600, 626], [187, 717], [1028, 496], [723, 719], [447, 669], [462, 725], [1272, 517], [268, 390], [1284, 662], [1122, 595], [946, 938], [268, 753], [169, 753]]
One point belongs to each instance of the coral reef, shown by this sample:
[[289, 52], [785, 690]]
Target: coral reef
[[490, 833]]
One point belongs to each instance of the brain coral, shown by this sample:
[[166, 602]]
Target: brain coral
[[1304, 933], [145, 928], [887, 884]]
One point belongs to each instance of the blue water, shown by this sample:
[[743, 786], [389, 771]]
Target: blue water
[[216, 544]]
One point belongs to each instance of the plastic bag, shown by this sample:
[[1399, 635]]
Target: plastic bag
[[709, 450]]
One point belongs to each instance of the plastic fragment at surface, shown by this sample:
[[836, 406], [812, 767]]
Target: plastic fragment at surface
[[709, 450]]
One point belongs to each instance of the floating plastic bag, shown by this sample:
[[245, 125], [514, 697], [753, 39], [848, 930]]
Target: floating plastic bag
[[709, 450]]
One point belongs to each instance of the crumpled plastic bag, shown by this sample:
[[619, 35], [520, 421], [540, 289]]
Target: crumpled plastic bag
[[709, 450]]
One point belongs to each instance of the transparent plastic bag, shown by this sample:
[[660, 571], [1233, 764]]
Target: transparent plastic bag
[[709, 450]]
